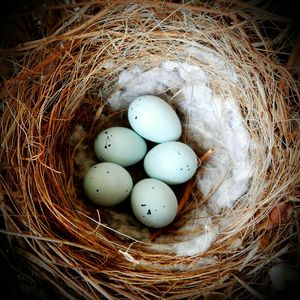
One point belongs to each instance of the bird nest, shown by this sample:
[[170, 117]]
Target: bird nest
[[238, 109]]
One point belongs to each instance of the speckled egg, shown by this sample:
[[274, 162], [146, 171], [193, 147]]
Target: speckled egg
[[153, 203], [107, 184], [120, 145], [171, 162], [154, 119]]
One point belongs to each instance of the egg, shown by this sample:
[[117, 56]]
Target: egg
[[120, 145], [107, 184], [153, 203], [171, 162], [154, 119]]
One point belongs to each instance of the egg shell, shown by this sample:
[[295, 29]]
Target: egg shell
[[153, 203], [154, 119], [120, 145], [107, 184], [171, 162]]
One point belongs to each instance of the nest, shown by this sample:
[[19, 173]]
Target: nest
[[68, 87]]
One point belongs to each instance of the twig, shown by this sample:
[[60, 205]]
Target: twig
[[185, 197]]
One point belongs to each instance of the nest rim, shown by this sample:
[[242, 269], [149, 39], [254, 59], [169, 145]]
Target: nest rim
[[74, 233]]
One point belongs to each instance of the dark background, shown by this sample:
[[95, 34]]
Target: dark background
[[25, 20]]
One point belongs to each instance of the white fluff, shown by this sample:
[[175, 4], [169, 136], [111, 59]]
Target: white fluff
[[197, 245], [193, 246], [214, 121]]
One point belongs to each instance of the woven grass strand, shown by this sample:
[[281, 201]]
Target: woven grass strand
[[64, 80]]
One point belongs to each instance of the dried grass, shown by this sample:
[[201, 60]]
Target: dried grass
[[63, 80]]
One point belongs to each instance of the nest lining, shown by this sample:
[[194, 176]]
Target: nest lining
[[212, 121], [66, 82]]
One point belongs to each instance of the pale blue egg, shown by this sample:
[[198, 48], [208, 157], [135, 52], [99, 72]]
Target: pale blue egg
[[107, 184], [171, 162], [154, 119], [120, 145], [153, 203]]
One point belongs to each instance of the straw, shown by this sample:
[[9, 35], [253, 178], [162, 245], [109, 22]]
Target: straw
[[65, 79]]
